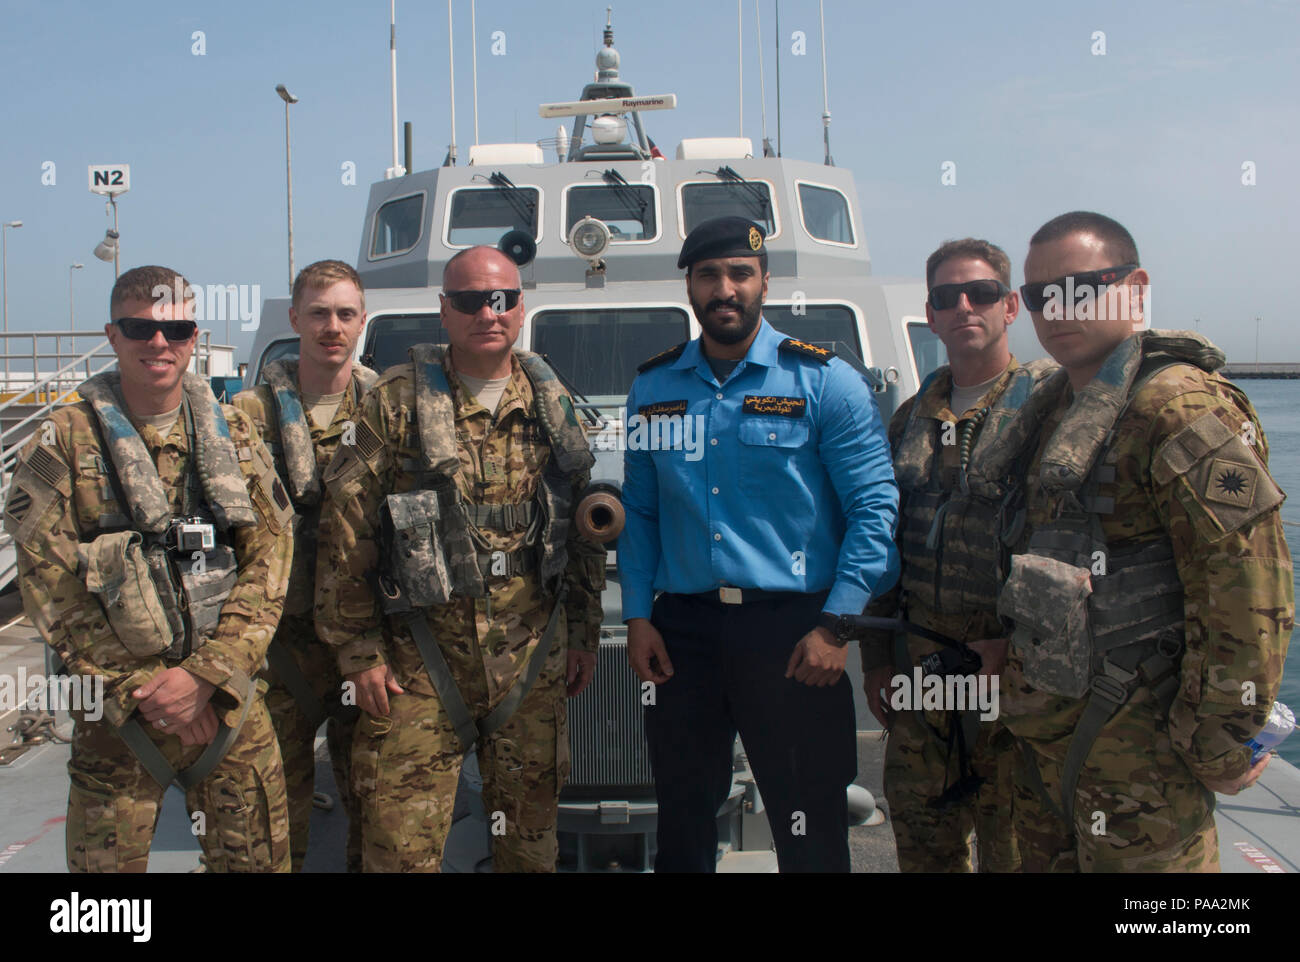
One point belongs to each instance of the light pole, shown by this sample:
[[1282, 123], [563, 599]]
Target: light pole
[[288, 99], [4, 283], [72, 320]]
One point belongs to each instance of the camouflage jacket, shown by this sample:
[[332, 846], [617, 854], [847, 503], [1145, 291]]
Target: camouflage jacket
[[501, 462], [1233, 563], [71, 492], [258, 404], [877, 646]]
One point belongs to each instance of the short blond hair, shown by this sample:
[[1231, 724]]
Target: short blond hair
[[325, 274], [971, 247], [142, 284]]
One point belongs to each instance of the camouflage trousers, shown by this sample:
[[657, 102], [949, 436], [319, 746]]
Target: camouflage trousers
[[239, 812], [919, 765], [297, 736], [1137, 809], [405, 769]]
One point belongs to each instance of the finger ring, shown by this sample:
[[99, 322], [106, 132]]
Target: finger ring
[[162, 722]]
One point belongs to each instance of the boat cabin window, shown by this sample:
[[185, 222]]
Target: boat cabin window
[[825, 213], [397, 226], [628, 212], [480, 215], [276, 351], [826, 325], [389, 336], [599, 350], [751, 199], [927, 350]]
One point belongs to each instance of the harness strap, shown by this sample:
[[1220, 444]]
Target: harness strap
[[156, 764], [469, 731], [286, 668]]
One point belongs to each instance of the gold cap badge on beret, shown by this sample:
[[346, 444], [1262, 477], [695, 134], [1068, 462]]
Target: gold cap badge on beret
[[755, 239]]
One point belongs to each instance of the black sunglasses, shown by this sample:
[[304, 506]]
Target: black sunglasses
[[1036, 295], [982, 293], [143, 329], [471, 302]]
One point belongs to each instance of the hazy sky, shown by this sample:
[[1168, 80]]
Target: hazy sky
[[1154, 132]]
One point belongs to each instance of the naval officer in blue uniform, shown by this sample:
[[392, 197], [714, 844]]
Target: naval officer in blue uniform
[[761, 505]]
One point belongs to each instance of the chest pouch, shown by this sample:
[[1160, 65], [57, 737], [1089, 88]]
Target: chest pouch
[[1048, 601], [206, 580], [118, 573], [415, 551]]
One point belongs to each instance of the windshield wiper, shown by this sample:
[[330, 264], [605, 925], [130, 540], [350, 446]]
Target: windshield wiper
[[631, 200], [518, 199], [761, 200]]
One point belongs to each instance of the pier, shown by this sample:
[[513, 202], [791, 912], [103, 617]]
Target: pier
[[1238, 371]]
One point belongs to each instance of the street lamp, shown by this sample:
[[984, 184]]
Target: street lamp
[[106, 250], [4, 283], [288, 99], [72, 321]]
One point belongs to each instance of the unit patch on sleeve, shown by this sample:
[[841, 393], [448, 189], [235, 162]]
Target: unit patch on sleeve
[[662, 409], [786, 407]]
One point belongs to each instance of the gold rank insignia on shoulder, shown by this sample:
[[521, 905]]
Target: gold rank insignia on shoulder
[[663, 357], [805, 349], [786, 407], [755, 239]]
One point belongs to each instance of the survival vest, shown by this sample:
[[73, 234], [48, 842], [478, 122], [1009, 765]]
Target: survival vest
[[1092, 620], [957, 532], [434, 549], [187, 561]]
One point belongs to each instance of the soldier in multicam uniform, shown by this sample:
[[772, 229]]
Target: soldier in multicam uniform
[[1153, 600], [947, 773], [305, 408], [154, 545], [451, 515]]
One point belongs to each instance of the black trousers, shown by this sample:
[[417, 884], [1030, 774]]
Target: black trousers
[[729, 674]]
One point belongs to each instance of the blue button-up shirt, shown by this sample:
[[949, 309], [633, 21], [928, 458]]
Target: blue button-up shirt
[[779, 479]]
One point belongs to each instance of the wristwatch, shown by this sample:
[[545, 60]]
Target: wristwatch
[[836, 626]]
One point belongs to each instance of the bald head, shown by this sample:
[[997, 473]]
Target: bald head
[[471, 260]]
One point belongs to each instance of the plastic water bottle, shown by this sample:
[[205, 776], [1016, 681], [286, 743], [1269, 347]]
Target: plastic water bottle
[[1281, 722]]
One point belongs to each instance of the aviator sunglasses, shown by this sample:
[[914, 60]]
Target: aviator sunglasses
[[1036, 296], [944, 297], [143, 328], [471, 302]]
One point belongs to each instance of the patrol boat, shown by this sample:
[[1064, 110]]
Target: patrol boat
[[597, 230]]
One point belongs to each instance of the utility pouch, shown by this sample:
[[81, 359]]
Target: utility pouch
[[117, 572], [205, 586], [1048, 601], [415, 557]]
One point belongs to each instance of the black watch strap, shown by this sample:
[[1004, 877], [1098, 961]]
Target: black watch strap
[[836, 626]]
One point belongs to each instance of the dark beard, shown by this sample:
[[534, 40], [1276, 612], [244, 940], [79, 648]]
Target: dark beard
[[749, 318]]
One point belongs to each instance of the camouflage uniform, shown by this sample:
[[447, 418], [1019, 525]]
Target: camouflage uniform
[[61, 500], [405, 766], [1186, 470], [921, 757], [299, 460]]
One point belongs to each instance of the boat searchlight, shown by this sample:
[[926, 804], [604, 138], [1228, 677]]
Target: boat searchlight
[[589, 238]]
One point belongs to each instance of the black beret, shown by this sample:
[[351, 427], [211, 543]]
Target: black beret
[[722, 237]]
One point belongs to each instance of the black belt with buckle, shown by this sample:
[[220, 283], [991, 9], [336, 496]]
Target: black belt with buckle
[[744, 596]]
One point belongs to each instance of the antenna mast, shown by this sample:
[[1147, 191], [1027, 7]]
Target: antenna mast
[[473, 39], [740, 63], [826, 103], [397, 170], [776, 5], [450, 160], [762, 88]]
